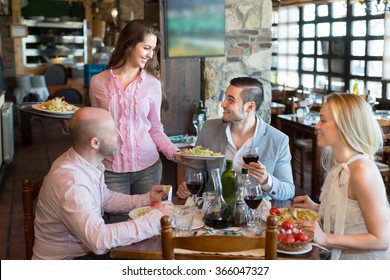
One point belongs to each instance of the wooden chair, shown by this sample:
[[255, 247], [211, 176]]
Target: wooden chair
[[304, 146], [30, 194], [211, 245]]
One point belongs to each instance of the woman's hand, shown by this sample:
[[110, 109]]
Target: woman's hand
[[319, 235], [182, 191], [304, 201]]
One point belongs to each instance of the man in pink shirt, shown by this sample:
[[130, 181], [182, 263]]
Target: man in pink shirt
[[74, 197]]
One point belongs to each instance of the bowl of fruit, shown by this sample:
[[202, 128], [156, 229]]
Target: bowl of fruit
[[293, 238]]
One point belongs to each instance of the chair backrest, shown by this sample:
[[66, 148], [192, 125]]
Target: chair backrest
[[56, 74], [211, 245], [30, 194], [71, 95]]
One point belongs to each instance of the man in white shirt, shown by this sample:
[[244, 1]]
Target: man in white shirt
[[73, 197]]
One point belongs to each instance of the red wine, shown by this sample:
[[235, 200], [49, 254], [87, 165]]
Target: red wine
[[217, 222], [253, 201], [194, 187], [250, 158]]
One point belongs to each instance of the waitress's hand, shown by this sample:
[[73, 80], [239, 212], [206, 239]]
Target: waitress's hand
[[182, 191], [65, 126]]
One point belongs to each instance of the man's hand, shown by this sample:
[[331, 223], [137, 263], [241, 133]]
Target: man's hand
[[165, 207], [257, 171], [182, 191], [157, 192]]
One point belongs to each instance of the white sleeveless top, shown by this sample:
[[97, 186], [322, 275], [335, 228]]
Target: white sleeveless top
[[341, 215]]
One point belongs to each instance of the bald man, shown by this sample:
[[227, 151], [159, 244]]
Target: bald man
[[73, 198]]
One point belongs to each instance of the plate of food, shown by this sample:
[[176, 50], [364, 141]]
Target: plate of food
[[56, 106], [291, 214], [199, 153], [138, 212]]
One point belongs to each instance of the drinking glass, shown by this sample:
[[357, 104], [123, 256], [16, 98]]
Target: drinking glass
[[253, 196], [308, 105], [250, 154], [198, 120], [182, 221], [194, 181]]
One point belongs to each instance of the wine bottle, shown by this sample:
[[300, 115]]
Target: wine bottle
[[228, 180]]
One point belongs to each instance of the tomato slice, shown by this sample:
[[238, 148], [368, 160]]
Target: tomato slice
[[153, 203], [274, 211]]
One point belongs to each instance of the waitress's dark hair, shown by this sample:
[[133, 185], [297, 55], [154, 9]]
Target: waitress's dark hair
[[133, 33], [252, 90]]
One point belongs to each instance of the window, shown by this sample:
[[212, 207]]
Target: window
[[328, 46]]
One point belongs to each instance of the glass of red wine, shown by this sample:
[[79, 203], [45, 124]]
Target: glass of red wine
[[253, 196], [194, 181], [251, 154]]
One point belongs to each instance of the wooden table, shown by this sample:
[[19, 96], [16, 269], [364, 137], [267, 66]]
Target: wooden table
[[150, 249], [290, 125]]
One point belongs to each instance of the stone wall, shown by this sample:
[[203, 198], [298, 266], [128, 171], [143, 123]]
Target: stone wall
[[248, 53]]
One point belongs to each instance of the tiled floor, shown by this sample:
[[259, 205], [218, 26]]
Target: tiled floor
[[32, 162], [29, 162]]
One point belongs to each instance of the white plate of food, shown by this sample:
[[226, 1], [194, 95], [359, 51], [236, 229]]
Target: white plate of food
[[138, 212], [56, 106], [199, 153], [308, 248], [198, 156]]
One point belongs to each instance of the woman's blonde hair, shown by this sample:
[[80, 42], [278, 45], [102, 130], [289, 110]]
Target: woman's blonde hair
[[358, 126]]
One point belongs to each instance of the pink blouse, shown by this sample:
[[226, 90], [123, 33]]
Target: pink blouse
[[136, 111]]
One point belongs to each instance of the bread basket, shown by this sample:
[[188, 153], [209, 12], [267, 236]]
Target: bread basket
[[297, 245]]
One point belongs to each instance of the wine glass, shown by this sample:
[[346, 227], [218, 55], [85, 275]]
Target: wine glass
[[250, 154], [308, 105], [194, 181], [253, 195]]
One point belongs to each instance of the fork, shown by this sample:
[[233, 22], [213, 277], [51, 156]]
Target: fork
[[292, 211]]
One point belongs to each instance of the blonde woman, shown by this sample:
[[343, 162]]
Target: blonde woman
[[354, 210]]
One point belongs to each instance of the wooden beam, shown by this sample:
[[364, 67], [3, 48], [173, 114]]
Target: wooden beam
[[16, 19]]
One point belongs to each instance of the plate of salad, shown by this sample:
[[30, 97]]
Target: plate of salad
[[199, 153], [56, 106]]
